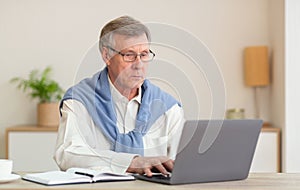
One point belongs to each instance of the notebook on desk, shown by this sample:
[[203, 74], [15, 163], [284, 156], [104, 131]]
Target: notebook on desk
[[75, 176], [213, 150]]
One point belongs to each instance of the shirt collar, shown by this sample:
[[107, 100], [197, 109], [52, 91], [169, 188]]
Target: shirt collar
[[116, 95]]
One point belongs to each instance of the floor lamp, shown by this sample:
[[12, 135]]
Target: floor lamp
[[256, 70]]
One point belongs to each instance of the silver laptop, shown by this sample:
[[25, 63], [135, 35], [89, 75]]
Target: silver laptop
[[213, 150]]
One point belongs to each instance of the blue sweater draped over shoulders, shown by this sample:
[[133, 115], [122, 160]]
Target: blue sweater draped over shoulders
[[94, 93]]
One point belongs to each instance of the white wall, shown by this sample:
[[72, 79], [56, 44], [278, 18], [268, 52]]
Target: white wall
[[292, 90], [37, 33]]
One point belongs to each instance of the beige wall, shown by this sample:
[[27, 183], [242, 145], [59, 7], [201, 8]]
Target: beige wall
[[37, 33], [277, 90]]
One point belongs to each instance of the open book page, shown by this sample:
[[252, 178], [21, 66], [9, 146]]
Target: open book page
[[100, 175]]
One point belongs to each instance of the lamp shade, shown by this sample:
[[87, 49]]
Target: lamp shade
[[256, 66]]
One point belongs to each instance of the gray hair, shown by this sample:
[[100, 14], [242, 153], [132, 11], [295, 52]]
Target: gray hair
[[123, 25]]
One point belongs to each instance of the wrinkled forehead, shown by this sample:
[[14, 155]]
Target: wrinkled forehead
[[124, 42]]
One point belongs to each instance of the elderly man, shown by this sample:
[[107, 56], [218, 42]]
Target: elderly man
[[117, 120]]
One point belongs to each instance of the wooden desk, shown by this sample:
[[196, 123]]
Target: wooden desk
[[255, 181]]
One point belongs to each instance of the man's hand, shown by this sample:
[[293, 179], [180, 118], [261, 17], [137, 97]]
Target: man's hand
[[145, 165]]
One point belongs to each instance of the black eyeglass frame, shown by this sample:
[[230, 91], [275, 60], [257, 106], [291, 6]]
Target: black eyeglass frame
[[136, 55]]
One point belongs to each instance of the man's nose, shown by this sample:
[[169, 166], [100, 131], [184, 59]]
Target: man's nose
[[138, 63]]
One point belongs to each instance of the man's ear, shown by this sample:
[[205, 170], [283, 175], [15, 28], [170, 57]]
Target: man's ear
[[105, 55]]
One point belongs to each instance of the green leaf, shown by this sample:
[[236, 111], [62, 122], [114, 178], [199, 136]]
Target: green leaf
[[40, 85]]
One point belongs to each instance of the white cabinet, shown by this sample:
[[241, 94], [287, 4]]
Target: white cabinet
[[31, 148], [267, 153]]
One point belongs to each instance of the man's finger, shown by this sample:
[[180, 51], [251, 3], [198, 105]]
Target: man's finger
[[169, 165], [148, 172], [161, 169]]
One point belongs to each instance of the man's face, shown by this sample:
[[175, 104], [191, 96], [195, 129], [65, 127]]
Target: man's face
[[128, 75]]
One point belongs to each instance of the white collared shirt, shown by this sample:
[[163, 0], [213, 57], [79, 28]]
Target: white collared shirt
[[80, 143]]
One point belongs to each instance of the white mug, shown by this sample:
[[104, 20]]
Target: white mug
[[5, 167]]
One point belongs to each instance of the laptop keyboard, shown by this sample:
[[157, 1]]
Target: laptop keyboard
[[156, 177], [161, 177]]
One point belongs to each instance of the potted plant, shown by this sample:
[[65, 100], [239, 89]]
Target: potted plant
[[40, 86]]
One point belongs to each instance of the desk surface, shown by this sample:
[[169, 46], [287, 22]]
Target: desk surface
[[254, 181]]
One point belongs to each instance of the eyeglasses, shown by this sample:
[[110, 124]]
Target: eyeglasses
[[131, 56]]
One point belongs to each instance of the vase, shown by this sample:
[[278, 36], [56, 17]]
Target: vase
[[48, 114]]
